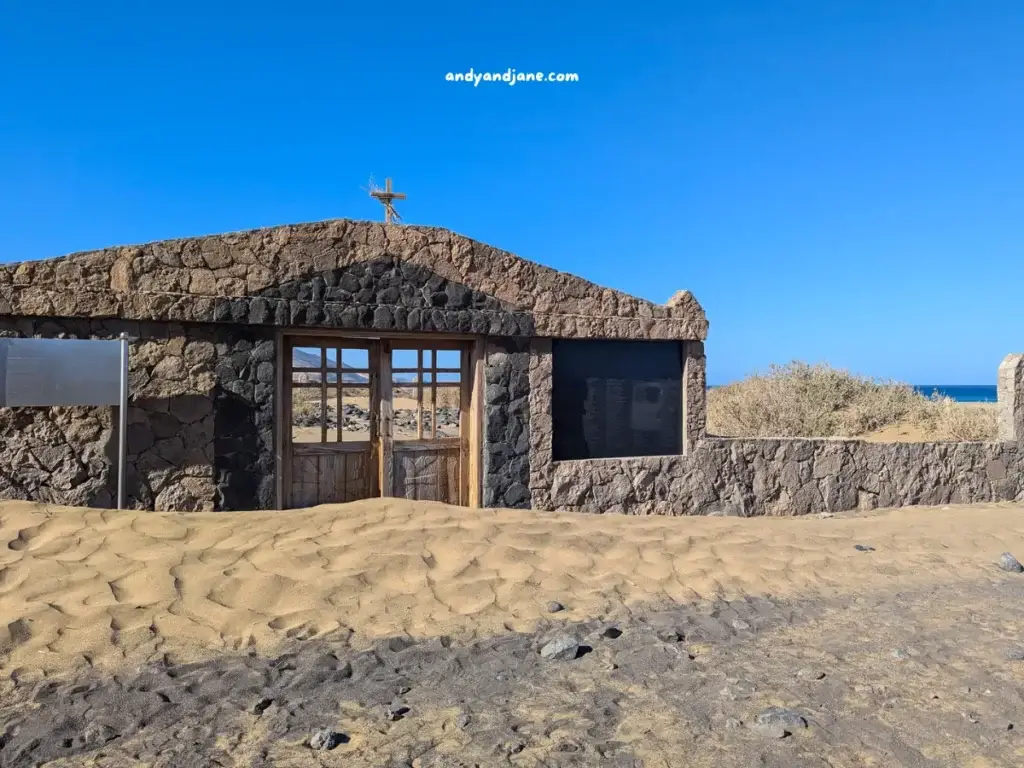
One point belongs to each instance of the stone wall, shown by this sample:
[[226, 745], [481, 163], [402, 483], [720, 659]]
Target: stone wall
[[791, 477], [775, 476], [200, 423], [506, 428], [1010, 388], [315, 275], [695, 400]]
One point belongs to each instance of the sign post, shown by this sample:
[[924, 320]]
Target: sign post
[[122, 430], [89, 372]]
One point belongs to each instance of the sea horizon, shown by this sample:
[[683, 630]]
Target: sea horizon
[[961, 393]]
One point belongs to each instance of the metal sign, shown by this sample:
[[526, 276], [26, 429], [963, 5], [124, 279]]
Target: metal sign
[[90, 372], [38, 372]]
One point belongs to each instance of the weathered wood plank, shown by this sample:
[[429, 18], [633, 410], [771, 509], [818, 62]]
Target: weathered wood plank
[[387, 460], [304, 490], [475, 466], [316, 449], [329, 468], [465, 427], [356, 476]]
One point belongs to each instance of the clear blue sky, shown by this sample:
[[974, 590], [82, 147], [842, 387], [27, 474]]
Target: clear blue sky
[[838, 181]]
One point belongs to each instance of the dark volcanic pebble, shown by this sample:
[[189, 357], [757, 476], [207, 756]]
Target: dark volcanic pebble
[[863, 548], [1010, 563]]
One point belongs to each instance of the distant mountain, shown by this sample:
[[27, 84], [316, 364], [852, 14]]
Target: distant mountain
[[310, 360], [303, 358]]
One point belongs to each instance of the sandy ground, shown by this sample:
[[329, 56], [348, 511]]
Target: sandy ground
[[227, 638]]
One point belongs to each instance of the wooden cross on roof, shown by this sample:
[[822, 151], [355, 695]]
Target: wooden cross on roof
[[387, 198]]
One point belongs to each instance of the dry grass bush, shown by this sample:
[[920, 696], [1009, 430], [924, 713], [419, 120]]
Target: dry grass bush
[[949, 420], [804, 400]]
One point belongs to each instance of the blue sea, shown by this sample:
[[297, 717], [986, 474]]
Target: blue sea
[[962, 393]]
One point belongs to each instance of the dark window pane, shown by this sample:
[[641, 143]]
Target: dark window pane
[[616, 398]]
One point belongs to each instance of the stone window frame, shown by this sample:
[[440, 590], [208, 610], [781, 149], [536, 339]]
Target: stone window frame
[[542, 463], [574, 348]]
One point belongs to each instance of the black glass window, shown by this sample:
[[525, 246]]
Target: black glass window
[[616, 398]]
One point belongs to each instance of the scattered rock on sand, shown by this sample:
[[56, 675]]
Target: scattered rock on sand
[[810, 674], [863, 548], [1010, 563], [561, 648], [325, 738], [397, 712], [900, 653], [670, 636], [1015, 654], [463, 720], [769, 730], [772, 719], [554, 607], [737, 689]]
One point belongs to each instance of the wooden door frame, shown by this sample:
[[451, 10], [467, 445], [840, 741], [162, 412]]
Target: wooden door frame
[[470, 415]]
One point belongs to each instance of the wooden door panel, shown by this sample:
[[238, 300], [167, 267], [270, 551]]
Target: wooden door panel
[[330, 435], [395, 423], [429, 472], [331, 474], [427, 397]]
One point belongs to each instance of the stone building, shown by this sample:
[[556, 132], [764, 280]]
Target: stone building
[[327, 362], [319, 363]]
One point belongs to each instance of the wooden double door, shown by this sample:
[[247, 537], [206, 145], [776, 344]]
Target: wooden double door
[[375, 417]]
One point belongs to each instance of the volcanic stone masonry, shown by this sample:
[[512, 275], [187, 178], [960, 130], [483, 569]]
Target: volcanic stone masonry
[[200, 423], [340, 274], [205, 311], [506, 480], [743, 477]]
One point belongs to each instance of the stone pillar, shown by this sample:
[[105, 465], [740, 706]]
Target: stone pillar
[[695, 406], [506, 443], [1010, 388], [540, 424]]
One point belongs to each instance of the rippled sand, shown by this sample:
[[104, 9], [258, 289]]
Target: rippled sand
[[105, 588]]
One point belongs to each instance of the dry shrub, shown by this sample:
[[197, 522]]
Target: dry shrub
[[946, 419], [803, 400]]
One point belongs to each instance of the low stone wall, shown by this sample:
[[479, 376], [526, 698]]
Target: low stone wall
[[200, 423], [791, 477], [775, 476]]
